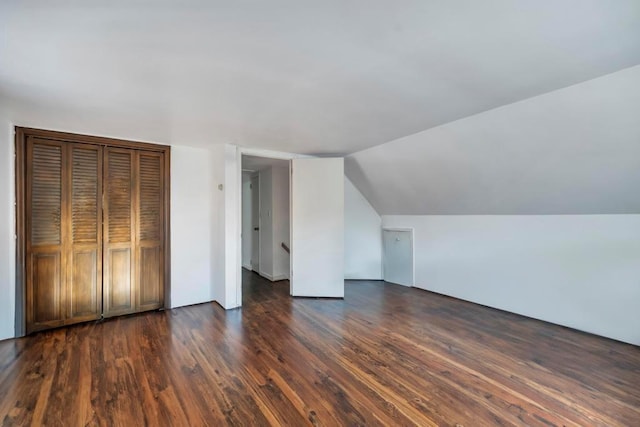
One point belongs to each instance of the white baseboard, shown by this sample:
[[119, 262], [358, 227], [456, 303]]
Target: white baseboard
[[247, 266], [273, 278]]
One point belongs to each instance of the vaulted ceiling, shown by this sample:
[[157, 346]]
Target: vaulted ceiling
[[319, 77]]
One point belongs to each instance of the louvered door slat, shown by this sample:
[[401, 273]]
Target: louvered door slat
[[150, 225], [46, 195], [45, 253], [119, 247], [85, 279], [119, 194], [85, 195], [150, 197]]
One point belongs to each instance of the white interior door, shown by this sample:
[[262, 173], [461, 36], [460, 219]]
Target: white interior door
[[317, 227], [255, 223], [397, 257], [247, 224]]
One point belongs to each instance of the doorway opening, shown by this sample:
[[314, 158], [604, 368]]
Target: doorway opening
[[314, 199], [265, 218]]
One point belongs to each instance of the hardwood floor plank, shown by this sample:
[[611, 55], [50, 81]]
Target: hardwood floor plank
[[385, 355]]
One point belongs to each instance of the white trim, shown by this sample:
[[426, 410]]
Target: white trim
[[13, 236], [258, 176], [273, 278], [398, 229]]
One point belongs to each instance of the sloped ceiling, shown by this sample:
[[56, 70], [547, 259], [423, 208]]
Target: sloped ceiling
[[572, 151], [319, 77]]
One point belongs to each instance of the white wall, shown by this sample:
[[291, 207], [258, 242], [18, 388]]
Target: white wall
[[219, 235], [317, 227], [216, 240], [191, 211], [362, 236], [581, 271], [232, 227], [274, 222], [7, 228], [266, 223], [280, 207]]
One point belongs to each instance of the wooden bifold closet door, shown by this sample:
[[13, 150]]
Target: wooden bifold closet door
[[94, 231], [133, 224], [64, 247]]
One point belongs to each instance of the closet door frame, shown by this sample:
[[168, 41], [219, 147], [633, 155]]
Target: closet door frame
[[21, 135]]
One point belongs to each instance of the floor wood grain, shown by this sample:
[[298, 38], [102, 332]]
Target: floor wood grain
[[385, 355]]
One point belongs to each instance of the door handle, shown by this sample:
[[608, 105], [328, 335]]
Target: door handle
[[256, 228]]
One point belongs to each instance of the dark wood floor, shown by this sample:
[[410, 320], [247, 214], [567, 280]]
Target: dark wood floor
[[385, 355]]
